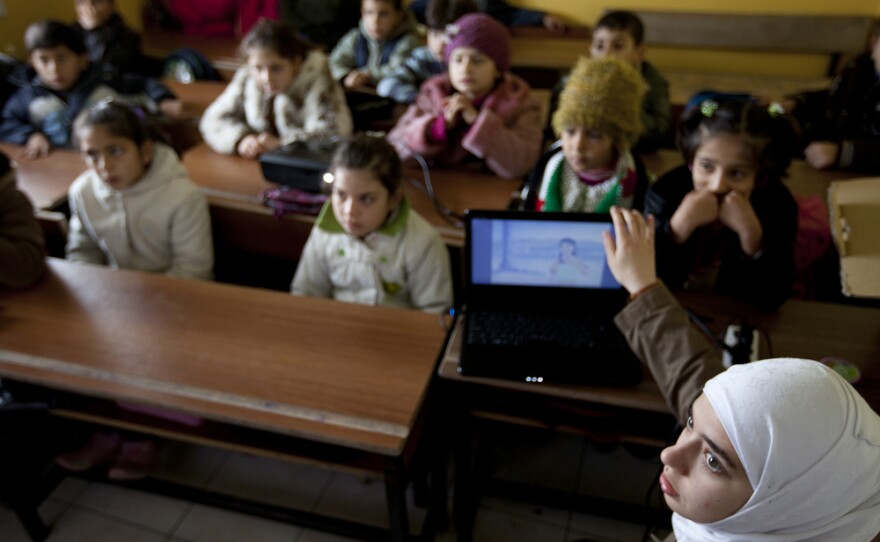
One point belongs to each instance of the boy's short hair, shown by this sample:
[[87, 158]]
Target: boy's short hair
[[48, 34], [396, 4], [440, 13], [766, 130], [275, 36], [625, 21], [373, 154]]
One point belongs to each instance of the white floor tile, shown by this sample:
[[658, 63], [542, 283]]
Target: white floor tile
[[81, 525], [497, 526], [536, 457], [11, 529], [189, 464], [362, 499], [205, 524], [272, 481], [317, 536], [70, 489], [603, 529], [537, 513], [146, 509]]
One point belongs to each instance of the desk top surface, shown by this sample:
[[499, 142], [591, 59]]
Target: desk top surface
[[236, 181], [801, 329], [45, 180], [313, 368]]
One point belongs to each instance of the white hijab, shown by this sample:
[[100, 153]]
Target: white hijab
[[810, 446]]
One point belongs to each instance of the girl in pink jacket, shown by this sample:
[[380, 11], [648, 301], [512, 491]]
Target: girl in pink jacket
[[477, 110]]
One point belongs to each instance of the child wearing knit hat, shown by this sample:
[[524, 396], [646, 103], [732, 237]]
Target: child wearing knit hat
[[477, 110], [592, 168]]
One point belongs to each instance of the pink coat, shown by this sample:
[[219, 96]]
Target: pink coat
[[506, 135]]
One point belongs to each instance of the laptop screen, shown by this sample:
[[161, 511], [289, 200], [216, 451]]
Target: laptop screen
[[530, 250]]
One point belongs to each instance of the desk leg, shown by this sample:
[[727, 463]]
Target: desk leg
[[465, 497], [30, 520], [395, 491]]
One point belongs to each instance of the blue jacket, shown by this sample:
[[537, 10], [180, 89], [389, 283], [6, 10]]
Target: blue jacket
[[35, 108]]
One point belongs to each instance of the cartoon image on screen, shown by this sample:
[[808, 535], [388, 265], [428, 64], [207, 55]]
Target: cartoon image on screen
[[540, 253]]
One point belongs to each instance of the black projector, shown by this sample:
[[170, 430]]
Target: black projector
[[300, 165]]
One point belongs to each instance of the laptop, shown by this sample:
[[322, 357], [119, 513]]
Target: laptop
[[540, 300]]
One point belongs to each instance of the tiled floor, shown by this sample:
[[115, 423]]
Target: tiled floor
[[93, 512]]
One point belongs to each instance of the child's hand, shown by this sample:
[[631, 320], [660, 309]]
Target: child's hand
[[171, 108], [698, 208], [249, 146], [268, 142], [456, 107], [630, 252], [356, 78], [37, 146], [737, 214], [554, 24], [822, 154]]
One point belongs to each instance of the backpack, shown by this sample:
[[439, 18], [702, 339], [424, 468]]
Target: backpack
[[187, 65]]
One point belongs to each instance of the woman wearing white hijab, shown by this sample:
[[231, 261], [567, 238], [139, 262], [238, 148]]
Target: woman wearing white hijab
[[772, 451]]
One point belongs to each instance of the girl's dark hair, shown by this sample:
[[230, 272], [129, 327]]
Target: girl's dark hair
[[275, 36], [48, 34], [440, 13], [766, 130], [372, 154], [120, 120]]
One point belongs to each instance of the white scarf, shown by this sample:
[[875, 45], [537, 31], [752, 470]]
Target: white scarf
[[810, 446]]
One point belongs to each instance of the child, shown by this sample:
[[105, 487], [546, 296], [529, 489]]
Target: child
[[384, 38], [425, 62], [368, 246], [21, 240], [726, 212], [620, 34], [598, 119], [503, 12], [135, 207], [109, 41], [841, 125], [63, 83], [285, 94], [478, 110], [756, 460], [568, 269]]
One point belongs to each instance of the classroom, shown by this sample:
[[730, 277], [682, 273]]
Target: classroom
[[306, 372]]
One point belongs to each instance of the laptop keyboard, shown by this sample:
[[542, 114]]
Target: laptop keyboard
[[487, 328]]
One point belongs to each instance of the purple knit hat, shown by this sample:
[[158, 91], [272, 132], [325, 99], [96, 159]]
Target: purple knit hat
[[482, 33]]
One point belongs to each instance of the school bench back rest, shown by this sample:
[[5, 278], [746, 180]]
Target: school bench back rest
[[834, 35]]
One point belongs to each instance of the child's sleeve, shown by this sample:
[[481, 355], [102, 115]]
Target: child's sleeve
[[192, 246], [411, 133], [402, 85], [21, 239], [312, 278], [224, 123], [656, 113], [81, 245], [15, 126], [512, 16], [342, 59], [404, 47], [510, 148], [860, 155], [429, 274]]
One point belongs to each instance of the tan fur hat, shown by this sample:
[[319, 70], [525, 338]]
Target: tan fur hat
[[603, 94]]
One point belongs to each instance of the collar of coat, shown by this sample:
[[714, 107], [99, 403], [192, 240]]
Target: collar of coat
[[327, 219]]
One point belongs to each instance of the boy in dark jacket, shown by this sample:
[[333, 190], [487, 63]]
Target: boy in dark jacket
[[60, 83], [108, 40]]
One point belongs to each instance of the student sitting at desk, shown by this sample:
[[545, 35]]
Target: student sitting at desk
[[21, 240], [841, 124], [598, 121], [775, 450], [62, 83], [110, 42], [368, 245], [725, 220], [284, 94], [135, 207], [477, 111]]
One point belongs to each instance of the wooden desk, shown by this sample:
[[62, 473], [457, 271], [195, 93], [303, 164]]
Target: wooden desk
[[803, 179], [45, 180], [246, 358], [196, 96], [233, 185], [683, 85]]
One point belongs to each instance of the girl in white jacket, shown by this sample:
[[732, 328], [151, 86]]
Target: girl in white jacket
[[135, 207], [368, 246]]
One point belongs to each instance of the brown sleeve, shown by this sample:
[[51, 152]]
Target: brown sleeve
[[678, 355], [21, 238]]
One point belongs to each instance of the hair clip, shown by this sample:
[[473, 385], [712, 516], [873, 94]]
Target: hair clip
[[708, 108], [775, 109], [451, 30]]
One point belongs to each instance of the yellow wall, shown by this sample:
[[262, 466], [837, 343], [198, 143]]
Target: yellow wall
[[20, 13]]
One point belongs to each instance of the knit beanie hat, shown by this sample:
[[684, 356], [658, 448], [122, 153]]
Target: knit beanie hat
[[483, 33], [605, 95]]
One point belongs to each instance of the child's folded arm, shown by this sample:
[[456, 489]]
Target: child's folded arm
[[224, 125], [509, 150]]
